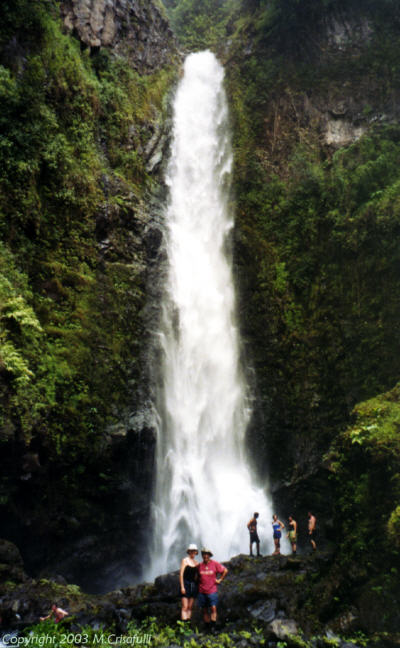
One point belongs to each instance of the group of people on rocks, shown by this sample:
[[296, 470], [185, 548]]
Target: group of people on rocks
[[201, 579], [277, 528]]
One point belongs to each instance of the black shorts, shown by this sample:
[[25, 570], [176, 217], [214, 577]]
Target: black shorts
[[191, 589], [313, 535], [254, 536]]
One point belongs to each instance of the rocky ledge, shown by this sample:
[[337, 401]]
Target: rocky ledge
[[263, 601]]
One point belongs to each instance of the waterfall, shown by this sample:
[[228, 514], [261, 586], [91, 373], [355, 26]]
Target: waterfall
[[205, 490]]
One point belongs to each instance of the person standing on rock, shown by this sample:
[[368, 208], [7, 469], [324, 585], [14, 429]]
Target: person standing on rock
[[252, 527], [292, 535], [277, 527], [208, 582], [188, 579], [312, 530]]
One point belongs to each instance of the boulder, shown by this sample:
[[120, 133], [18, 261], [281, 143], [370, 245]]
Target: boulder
[[265, 611], [168, 585], [283, 628], [11, 564]]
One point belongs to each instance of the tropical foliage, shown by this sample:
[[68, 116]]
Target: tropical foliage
[[72, 185]]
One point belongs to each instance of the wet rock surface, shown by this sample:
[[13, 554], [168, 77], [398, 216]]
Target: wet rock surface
[[266, 598], [134, 28], [11, 564]]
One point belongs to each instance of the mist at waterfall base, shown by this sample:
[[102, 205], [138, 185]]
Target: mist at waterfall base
[[205, 491]]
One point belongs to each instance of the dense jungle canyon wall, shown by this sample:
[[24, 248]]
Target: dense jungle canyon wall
[[315, 95], [84, 95], [314, 89]]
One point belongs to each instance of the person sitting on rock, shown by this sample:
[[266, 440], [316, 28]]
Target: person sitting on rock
[[252, 527], [58, 613], [208, 581], [277, 527]]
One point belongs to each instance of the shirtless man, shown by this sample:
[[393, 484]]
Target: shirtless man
[[58, 612], [312, 529], [252, 527]]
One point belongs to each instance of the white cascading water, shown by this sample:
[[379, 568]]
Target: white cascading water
[[205, 490]]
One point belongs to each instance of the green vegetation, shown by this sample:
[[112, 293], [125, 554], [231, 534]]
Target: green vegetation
[[317, 226], [290, 25], [71, 177], [201, 24], [149, 632], [365, 462], [316, 251], [317, 257]]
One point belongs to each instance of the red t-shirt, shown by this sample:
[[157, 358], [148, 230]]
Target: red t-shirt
[[207, 576]]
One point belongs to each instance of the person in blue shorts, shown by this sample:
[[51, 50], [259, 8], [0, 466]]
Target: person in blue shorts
[[211, 574], [277, 527]]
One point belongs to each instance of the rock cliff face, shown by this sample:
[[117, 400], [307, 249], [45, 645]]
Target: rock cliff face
[[77, 474], [133, 28]]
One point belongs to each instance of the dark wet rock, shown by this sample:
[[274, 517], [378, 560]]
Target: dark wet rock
[[10, 554], [265, 611], [263, 589], [167, 585], [154, 239], [137, 29], [277, 595], [11, 565]]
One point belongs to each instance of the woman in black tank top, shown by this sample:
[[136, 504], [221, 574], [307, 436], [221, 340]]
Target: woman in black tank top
[[190, 574], [188, 577]]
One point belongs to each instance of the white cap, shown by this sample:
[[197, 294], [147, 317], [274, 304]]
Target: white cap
[[192, 547]]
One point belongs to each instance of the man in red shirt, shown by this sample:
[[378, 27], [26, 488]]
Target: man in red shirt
[[208, 581]]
